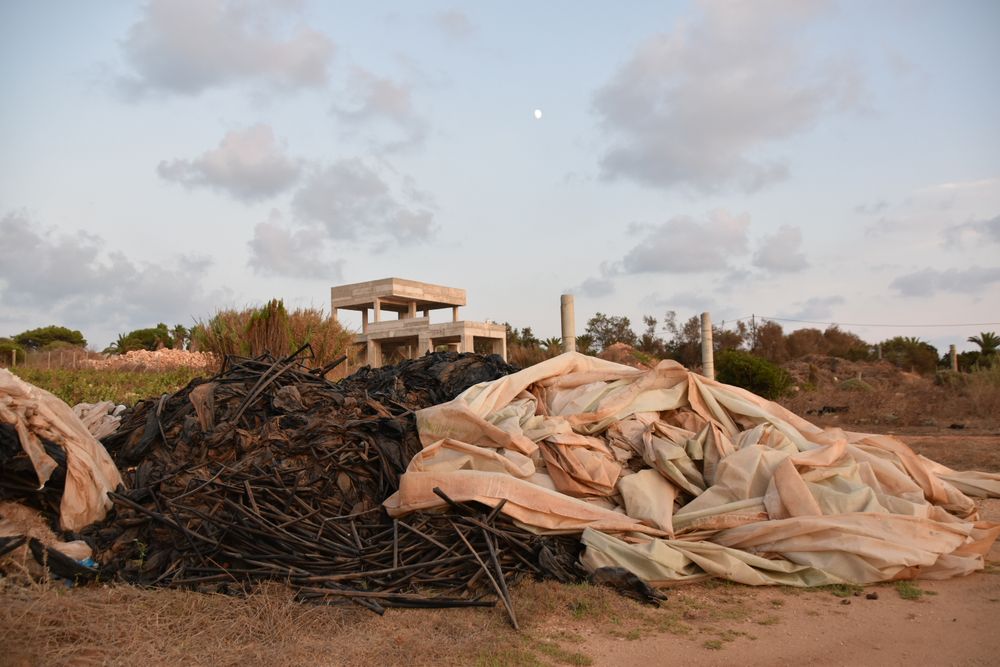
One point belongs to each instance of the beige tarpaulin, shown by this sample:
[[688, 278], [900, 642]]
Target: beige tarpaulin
[[678, 477], [90, 473]]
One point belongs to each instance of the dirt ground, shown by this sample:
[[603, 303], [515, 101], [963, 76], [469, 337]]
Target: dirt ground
[[950, 622]]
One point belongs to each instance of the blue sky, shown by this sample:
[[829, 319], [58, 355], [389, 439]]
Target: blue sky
[[836, 162]]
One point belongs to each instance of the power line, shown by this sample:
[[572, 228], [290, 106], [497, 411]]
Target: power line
[[858, 324]]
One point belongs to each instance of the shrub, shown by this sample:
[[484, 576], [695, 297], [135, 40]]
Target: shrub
[[910, 354], [750, 372], [6, 347], [271, 328], [857, 384]]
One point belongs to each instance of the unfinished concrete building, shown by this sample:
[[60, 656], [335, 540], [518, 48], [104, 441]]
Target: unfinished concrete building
[[383, 341]]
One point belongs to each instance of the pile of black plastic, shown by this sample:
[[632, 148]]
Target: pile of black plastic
[[267, 471]]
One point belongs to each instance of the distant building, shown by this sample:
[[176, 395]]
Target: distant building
[[408, 336]]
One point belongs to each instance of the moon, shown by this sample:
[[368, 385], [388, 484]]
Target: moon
[[538, 114]]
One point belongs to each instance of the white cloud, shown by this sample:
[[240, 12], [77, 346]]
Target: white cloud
[[454, 23], [276, 250], [927, 282], [73, 279], [874, 208], [697, 106], [595, 288], [781, 252], [379, 101], [974, 233], [187, 46], [816, 308], [686, 245], [351, 201], [249, 164]]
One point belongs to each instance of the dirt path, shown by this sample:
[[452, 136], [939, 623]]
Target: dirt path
[[954, 622]]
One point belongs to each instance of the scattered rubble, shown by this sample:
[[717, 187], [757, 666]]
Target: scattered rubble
[[158, 360]]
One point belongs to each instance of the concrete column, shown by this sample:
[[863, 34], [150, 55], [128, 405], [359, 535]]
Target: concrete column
[[333, 314], [427, 312], [954, 358], [372, 355], [466, 344], [378, 310], [364, 320], [499, 346], [454, 313], [707, 358], [411, 310], [424, 344], [568, 323]]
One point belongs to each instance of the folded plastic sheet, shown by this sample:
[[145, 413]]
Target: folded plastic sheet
[[677, 477], [37, 415]]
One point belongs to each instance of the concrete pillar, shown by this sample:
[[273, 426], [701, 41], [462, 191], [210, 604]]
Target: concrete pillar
[[333, 314], [424, 344], [364, 320], [499, 346], [568, 323], [454, 313], [411, 310], [427, 312], [371, 354], [954, 358], [466, 344], [378, 309], [707, 357]]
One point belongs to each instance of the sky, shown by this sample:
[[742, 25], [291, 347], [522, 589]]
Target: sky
[[829, 162]]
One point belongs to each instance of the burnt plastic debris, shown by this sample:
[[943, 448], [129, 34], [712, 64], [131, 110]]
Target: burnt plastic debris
[[267, 471]]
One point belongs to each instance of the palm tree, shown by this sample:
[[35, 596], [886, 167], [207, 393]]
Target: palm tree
[[552, 345], [988, 342]]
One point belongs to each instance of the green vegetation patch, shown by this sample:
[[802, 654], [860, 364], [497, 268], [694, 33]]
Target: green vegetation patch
[[910, 591], [94, 385]]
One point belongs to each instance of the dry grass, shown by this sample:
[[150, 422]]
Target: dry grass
[[895, 398], [119, 625], [271, 328]]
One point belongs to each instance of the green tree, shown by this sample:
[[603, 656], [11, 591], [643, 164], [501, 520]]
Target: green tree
[[552, 345], [988, 342], [650, 342], [845, 344], [180, 336], [585, 344], [36, 339], [152, 338], [7, 347], [803, 342], [684, 343], [610, 329], [910, 353], [770, 342]]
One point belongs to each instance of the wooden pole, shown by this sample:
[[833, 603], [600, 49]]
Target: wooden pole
[[954, 358], [707, 356]]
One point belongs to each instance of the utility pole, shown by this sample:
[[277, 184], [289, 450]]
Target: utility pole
[[954, 358]]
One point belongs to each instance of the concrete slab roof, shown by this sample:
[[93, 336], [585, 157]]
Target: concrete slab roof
[[395, 295]]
